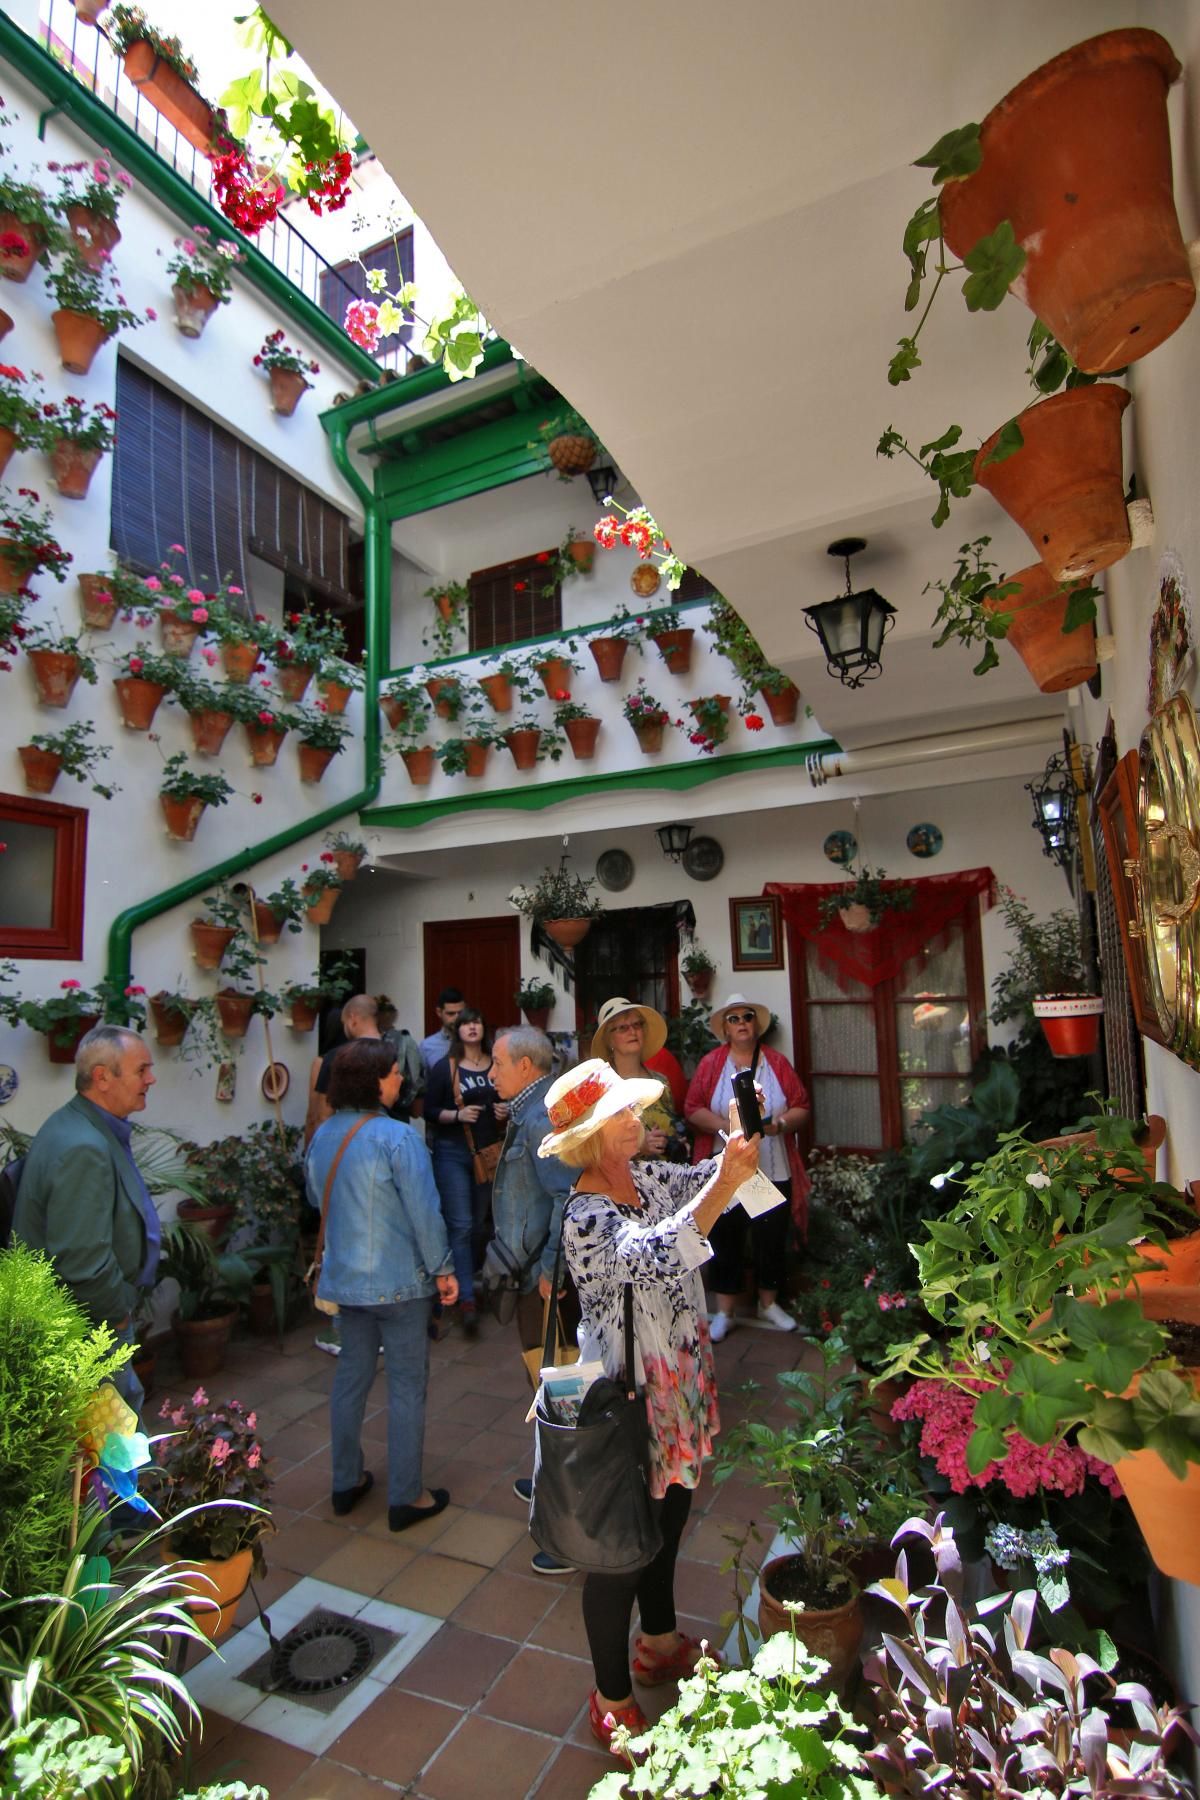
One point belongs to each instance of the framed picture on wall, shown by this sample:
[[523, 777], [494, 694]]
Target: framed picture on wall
[[756, 932]]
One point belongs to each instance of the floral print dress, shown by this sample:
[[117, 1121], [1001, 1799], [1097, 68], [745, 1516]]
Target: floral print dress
[[658, 1248]]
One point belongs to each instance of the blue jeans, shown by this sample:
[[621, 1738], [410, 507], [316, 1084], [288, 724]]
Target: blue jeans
[[402, 1330], [465, 1204], [125, 1381]]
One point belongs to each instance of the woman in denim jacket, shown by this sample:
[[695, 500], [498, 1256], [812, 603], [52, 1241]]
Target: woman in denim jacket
[[386, 1252]]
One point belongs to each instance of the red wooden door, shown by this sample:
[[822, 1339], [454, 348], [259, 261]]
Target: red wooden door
[[480, 957]]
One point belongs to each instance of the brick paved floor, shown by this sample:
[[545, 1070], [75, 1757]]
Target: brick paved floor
[[495, 1704]]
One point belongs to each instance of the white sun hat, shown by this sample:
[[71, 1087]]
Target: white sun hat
[[735, 1002], [580, 1101]]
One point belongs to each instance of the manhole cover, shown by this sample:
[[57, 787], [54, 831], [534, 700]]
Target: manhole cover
[[325, 1654]]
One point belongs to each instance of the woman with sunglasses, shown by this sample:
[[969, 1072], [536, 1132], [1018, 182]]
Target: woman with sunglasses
[[784, 1105], [631, 1038]]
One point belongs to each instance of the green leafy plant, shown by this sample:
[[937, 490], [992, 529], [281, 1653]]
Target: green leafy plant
[[688, 1035], [144, 663], [79, 754], [950, 469], [867, 889], [321, 730], [199, 262], [452, 752], [638, 529], [31, 206], [696, 961], [335, 670], [47, 637], [1048, 960], [641, 708], [277, 353], [287, 903], [43, 1761], [180, 782], [96, 186], [127, 25], [222, 907], [558, 894], [711, 726], [232, 624], [211, 1282], [60, 1016], [972, 610], [212, 1454], [27, 537], [20, 413], [70, 421], [536, 996], [442, 634], [93, 292]]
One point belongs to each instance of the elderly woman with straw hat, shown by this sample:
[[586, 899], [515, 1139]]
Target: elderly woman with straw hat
[[742, 1023], [644, 1225], [632, 1037]]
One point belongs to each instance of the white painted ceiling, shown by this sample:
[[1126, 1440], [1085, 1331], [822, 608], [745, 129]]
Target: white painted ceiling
[[687, 215]]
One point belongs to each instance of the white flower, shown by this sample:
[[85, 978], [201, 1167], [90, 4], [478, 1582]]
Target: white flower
[[983, 1352], [1037, 1181]]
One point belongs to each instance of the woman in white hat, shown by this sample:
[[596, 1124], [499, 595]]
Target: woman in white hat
[[742, 1023], [632, 1037], [646, 1225]]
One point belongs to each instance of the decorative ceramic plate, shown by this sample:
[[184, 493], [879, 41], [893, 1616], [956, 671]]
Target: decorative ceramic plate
[[704, 859], [276, 1081], [924, 840], [1172, 640], [10, 1081], [841, 847], [645, 581], [614, 870]]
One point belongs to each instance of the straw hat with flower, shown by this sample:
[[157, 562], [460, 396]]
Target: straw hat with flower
[[583, 1099]]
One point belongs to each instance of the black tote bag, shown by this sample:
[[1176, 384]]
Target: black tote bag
[[591, 1503]]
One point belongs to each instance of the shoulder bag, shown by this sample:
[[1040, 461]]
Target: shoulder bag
[[483, 1162], [313, 1274], [591, 1503]]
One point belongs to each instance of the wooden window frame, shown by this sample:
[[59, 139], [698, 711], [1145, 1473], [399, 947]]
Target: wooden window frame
[[62, 939], [522, 568]]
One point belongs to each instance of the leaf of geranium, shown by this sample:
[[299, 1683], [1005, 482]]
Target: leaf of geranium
[[956, 153], [1168, 1412], [1052, 371], [1009, 439], [1112, 1431], [906, 359], [1048, 1394], [947, 441], [1116, 1339], [984, 1447], [1081, 608], [995, 262]]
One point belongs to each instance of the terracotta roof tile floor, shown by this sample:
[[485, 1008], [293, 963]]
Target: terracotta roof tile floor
[[487, 1694]]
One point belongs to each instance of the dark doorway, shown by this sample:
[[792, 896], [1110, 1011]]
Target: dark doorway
[[330, 1028], [480, 957], [633, 952]]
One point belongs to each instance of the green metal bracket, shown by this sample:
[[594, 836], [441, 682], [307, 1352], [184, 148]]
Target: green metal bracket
[[43, 120]]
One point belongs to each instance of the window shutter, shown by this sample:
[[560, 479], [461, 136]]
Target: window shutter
[[348, 281], [507, 604]]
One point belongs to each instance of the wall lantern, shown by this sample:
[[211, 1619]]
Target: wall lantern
[[1054, 810], [674, 840], [603, 481], [853, 626]]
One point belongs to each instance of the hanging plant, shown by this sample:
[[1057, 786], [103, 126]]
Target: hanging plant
[[337, 680], [58, 661], [450, 604], [311, 642], [581, 727], [29, 227], [637, 529], [531, 742], [203, 278], [248, 191], [69, 1014], [862, 904], [648, 717], [321, 736], [241, 635], [568, 443], [142, 682], [322, 890], [21, 425], [711, 714], [286, 370], [698, 969], [347, 852], [448, 695], [75, 438], [305, 134], [27, 543], [72, 751], [184, 794], [91, 309], [406, 707], [89, 198]]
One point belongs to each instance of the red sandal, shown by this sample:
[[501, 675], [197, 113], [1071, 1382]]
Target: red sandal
[[604, 1724], [654, 1668]]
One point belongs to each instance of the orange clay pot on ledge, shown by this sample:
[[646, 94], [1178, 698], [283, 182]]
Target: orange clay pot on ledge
[[1056, 659], [178, 103]]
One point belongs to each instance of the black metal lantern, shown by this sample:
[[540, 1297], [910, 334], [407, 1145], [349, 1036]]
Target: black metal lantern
[[674, 840], [1054, 815], [602, 479], [853, 626]]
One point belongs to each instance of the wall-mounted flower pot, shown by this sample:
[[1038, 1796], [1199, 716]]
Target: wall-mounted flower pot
[[1056, 660], [80, 339], [95, 237], [194, 307], [582, 735], [209, 729], [857, 918], [170, 1024], [700, 982], [313, 762], [265, 742], [582, 552], [42, 768], [394, 711], [782, 706], [63, 1039], [6, 325], [139, 701], [567, 932], [675, 648], [182, 816], [476, 756], [320, 909], [268, 926], [179, 632], [649, 736], [537, 1016], [336, 695], [201, 1344], [570, 454], [16, 267], [72, 466], [303, 1015], [1064, 486], [8, 443], [445, 606], [55, 673], [498, 689], [97, 602], [443, 691], [292, 679], [235, 1011], [419, 763], [210, 942], [524, 747], [1071, 1023], [556, 676], [834, 1633], [1167, 1510], [1078, 159], [178, 103], [346, 863], [288, 388], [14, 569], [609, 653], [239, 662]]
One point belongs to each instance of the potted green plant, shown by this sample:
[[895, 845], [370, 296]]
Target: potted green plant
[[279, 911], [711, 715], [1051, 627], [91, 309], [337, 679], [467, 756], [203, 277], [347, 851], [536, 1000], [581, 727], [30, 227], [502, 677], [648, 717], [89, 198], [208, 708], [449, 696], [58, 662], [320, 736], [21, 424], [27, 543], [72, 751], [568, 443], [698, 969], [322, 888], [183, 795], [222, 918], [408, 743], [240, 634], [555, 671], [211, 1285], [69, 1014], [404, 700], [861, 905], [236, 1002], [286, 371], [142, 681], [118, 590], [561, 902], [302, 1002], [531, 742], [310, 640], [1045, 978], [450, 608], [264, 721], [158, 65]]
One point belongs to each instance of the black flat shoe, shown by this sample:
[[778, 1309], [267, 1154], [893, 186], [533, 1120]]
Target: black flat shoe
[[401, 1517], [346, 1499]]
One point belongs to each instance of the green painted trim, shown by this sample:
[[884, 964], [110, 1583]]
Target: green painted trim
[[69, 96], [547, 637], [491, 456], [536, 796], [418, 386]]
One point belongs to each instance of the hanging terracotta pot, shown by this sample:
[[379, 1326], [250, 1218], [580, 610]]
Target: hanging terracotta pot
[[524, 747], [88, 11], [445, 606], [218, 1586], [179, 633], [419, 763], [320, 909], [1064, 487], [16, 267], [56, 673], [650, 737], [443, 691], [8, 444], [80, 339], [303, 1014], [1078, 160], [346, 863], [97, 602], [179, 103], [394, 711], [783, 705], [313, 762], [14, 570], [857, 918], [700, 982], [556, 676], [834, 1633], [567, 932], [265, 742], [236, 1011], [336, 695], [209, 730], [675, 648], [139, 701], [288, 388], [582, 735], [538, 1016], [239, 661], [210, 942], [609, 653], [268, 926], [63, 1040], [72, 466], [1167, 1510], [1055, 659], [1070, 1023], [292, 679], [201, 1345], [476, 754], [170, 1024], [194, 307], [6, 325], [95, 237], [582, 552], [571, 454], [498, 689], [182, 816], [42, 768]]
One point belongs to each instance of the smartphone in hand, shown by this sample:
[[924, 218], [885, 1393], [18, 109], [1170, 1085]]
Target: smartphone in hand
[[747, 1102]]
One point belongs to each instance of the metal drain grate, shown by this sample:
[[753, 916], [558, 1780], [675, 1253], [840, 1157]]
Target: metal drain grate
[[320, 1660]]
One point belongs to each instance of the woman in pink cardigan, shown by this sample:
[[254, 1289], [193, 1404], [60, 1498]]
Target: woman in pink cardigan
[[741, 1023]]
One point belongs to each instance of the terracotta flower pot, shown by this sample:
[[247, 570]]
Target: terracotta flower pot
[[538, 1016], [95, 237], [320, 909], [218, 1586], [179, 632], [419, 763], [336, 695], [42, 768], [856, 917], [288, 388], [834, 1633], [63, 1040], [582, 735], [675, 648], [182, 816], [292, 679], [194, 307], [56, 673], [650, 736], [209, 730], [179, 103], [476, 754], [239, 661], [265, 742], [571, 455], [209, 943], [97, 602], [700, 982], [72, 466], [6, 325], [524, 747], [303, 1015], [610, 656], [394, 711], [1064, 487], [582, 552], [1071, 1024], [88, 11], [556, 676], [139, 700], [18, 267], [1078, 159], [235, 1010], [1055, 659], [567, 932], [313, 762], [14, 570], [445, 606], [268, 926], [782, 706], [498, 689], [346, 863], [8, 443], [201, 1344], [442, 690], [170, 1025], [80, 339], [1167, 1510], [214, 1220]]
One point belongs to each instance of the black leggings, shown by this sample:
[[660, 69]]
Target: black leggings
[[768, 1238], [608, 1599]]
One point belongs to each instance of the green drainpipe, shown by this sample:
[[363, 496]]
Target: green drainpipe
[[377, 575]]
